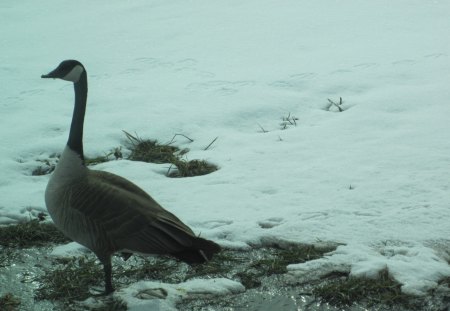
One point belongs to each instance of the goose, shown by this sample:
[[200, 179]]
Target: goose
[[105, 212]]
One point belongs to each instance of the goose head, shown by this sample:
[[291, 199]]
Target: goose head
[[69, 70]]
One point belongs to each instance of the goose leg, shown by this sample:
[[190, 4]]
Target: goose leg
[[107, 268]]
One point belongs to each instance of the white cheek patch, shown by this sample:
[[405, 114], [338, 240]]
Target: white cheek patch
[[75, 74]]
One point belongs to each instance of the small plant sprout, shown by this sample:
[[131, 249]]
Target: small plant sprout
[[262, 129], [207, 147], [288, 121], [117, 153], [173, 138], [332, 103]]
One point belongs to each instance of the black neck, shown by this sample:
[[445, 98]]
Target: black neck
[[75, 141]]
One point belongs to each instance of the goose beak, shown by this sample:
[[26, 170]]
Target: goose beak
[[51, 74]]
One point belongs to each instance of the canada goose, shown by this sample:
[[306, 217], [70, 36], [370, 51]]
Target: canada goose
[[105, 212]]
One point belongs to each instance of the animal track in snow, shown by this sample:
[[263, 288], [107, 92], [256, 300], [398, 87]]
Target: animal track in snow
[[294, 81], [183, 65], [269, 190], [270, 222], [303, 76], [367, 214], [435, 55], [282, 84], [31, 92], [404, 62], [365, 65], [340, 71], [187, 62], [152, 293], [213, 224], [221, 87], [153, 62], [315, 215]]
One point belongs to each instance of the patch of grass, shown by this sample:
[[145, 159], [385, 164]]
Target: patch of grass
[[219, 266], [344, 291], [9, 303], [191, 168], [147, 150], [8, 256], [284, 257], [288, 121], [30, 233], [332, 104], [152, 151], [71, 280], [277, 260], [445, 281], [269, 261], [159, 268], [250, 278]]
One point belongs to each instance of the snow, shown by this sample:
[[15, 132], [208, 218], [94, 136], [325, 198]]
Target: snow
[[69, 250], [374, 177], [144, 295]]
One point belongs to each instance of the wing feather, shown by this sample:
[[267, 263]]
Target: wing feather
[[128, 216]]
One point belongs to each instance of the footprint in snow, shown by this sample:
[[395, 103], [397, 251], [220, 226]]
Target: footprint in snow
[[187, 62], [303, 76], [220, 87], [294, 81], [404, 62], [213, 224], [365, 65], [340, 71], [435, 55], [152, 293], [270, 223], [153, 62]]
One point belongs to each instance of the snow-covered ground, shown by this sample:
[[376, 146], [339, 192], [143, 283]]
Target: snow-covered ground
[[374, 177]]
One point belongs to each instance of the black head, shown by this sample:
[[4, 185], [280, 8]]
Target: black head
[[69, 70]]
